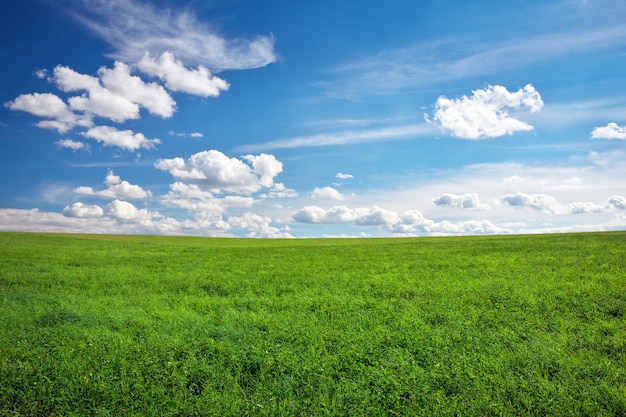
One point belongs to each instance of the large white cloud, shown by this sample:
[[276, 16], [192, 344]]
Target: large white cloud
[[133, 28], [51, 107], [486, 113], [610, 131], [216, 172], [117, 189], [125, 139], [410, 222], [549, 204], [178, 78]]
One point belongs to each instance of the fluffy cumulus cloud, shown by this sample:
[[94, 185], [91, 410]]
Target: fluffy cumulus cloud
[[123, 210], [133, 28], [117, 189], [610, 131], [125, 139], [258, 226], [50, 107], [468, 201], [83, 211], [115, 95], [539, 202], [216, 172], [486, 113], [411, 222], [178, 78], [151, 96], [96, 100]]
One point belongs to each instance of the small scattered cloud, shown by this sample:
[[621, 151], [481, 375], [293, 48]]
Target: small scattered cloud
[[214, 171], [70, 144], [196, 135], [326, 193], [125, 139], [117, 189], [610, 131], [468, 201], [344, 176], [486, 113]]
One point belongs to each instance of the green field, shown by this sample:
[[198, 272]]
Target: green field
[[172, 326]]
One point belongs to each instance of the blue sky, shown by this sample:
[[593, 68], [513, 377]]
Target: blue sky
[[310, 119]]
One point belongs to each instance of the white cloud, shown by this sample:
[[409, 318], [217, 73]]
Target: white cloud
[[266, 167], [214, 171], [196, 135], [125, 139], [258, 226], [468, 201], [617, 201], [410, 222], [610, 131], [583, 207], [539, 202], [83, 211], [178, 78], [203, 203], [98, 100], [133, 28], [486, 113], [452, 58], [327, 193], [151, 96], [117, 189], [70, 144], [49, 106], [78, 219], [124, 210], [344, 176], [549, 204]]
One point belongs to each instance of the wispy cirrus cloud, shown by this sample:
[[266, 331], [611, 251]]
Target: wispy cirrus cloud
[[343, 137], [133, 28], [448, 59]]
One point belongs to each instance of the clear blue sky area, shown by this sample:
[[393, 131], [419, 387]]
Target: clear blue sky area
[[307, 119]]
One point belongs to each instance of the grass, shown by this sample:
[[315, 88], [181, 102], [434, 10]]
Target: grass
[[167, 326]]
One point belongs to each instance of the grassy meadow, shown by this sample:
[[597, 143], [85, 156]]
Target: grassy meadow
[[170, 326]]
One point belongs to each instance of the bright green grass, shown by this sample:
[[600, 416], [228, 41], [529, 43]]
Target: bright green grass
[[132, 325]]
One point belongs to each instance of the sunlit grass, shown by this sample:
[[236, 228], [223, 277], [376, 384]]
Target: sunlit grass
[[133, 325]]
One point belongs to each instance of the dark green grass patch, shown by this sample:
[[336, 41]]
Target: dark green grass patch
[[477, 326]]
